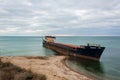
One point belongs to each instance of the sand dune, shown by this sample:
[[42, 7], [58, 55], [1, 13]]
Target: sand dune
[[53, 67]]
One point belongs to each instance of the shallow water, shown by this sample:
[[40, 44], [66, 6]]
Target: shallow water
[[23, 46]]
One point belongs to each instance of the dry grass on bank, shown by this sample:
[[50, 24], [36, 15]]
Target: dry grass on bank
[[37, 57], [9, 71]]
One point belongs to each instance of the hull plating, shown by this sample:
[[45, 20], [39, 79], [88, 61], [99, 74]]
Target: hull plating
[[86, 52]]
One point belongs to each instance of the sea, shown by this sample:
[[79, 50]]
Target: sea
[[108, 68]]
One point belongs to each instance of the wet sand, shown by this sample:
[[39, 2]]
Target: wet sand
[[53, 67]]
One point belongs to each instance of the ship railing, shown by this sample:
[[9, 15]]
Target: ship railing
[[96, 45], [82, 46]]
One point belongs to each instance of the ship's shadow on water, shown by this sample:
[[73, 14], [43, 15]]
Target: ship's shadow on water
[[87, 67]]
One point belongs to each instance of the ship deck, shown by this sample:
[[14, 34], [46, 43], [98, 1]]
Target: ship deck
[[70, 45]]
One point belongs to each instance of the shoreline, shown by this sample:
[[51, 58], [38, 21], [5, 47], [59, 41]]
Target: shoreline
[[64, 62], [54, 67]]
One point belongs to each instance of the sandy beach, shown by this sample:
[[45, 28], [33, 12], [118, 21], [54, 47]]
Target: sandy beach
[[53, 67]]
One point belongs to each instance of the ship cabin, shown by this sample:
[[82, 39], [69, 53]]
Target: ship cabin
[[49, 39]]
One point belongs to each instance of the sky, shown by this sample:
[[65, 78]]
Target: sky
[[60, 17]]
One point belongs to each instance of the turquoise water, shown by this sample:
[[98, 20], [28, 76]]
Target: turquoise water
[[107, 69], [23, 46]]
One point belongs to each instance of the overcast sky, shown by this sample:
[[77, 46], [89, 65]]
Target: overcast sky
[[60, 17]]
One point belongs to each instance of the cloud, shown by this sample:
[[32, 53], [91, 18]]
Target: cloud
[[59, 17]]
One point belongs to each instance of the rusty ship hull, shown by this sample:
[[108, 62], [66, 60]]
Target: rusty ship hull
[[87, 52]]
